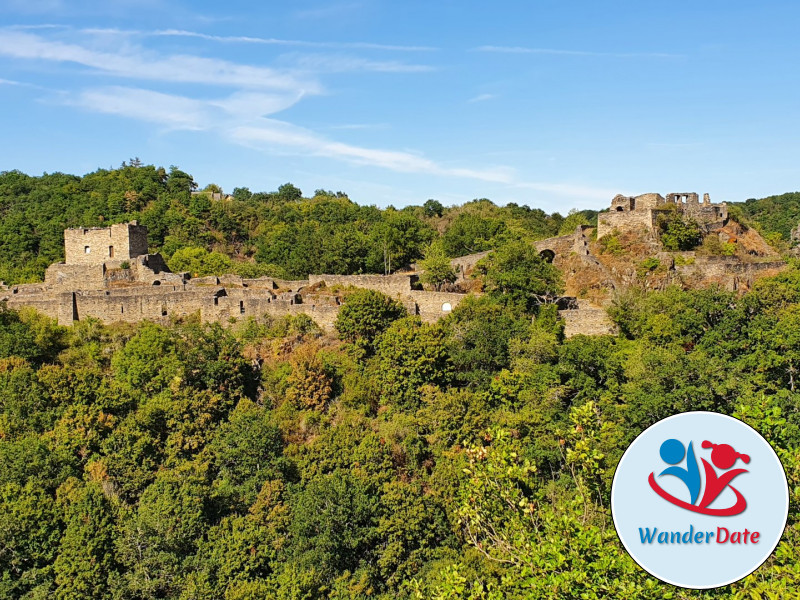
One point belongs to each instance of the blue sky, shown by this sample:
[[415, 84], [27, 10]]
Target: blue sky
[[554, 104]]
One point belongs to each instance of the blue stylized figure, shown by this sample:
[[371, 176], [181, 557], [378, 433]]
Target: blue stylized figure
[[672, 452]]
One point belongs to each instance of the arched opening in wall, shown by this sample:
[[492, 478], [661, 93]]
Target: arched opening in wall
[[620, 209], [547, 255], [241, 306], [87, 250], [163, 311], [156, 282]]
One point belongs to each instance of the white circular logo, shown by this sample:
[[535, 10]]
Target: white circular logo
[[700, 500]]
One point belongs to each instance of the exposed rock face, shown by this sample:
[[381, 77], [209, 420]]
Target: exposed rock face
[[795, 237]]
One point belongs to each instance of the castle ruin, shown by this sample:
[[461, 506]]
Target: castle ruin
[[109, 275], [642, 212]]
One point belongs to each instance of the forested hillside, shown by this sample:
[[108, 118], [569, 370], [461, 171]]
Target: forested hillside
[[468, 459], [774, 214], [281, 234]]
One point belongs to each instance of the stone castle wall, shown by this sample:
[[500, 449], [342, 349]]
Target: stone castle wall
[[391, 285], [144, 289], [213, 303], [464, 265], [634, 220], [729, 271], [587, 320], [432, 306], [647, 201]]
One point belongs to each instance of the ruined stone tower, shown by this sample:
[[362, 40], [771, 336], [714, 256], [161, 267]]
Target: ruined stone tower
[[97, 245]]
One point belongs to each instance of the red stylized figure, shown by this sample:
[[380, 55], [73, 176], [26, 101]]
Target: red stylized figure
[[724, 457]]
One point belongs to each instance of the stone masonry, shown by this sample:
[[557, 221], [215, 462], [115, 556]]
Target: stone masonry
[[96, 245], [641, 212], [109, 275]]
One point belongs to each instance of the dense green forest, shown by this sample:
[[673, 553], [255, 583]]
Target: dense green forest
[[773, 214], [281, 234], [394, 459], [468, 459]]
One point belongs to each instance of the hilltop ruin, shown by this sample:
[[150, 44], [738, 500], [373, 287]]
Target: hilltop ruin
[[108, 274], [633, 212]]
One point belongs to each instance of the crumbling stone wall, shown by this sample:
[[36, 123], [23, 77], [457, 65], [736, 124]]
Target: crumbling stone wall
[[149, 269], [74, 276], [432, 306], [464, 265], [559, 246], [587, 320], [391, 285], [727, 271], [556, 249], [145, 289], [636, 220], [647, 201]]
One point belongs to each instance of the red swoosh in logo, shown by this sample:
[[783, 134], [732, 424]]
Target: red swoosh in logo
[[737, 508]]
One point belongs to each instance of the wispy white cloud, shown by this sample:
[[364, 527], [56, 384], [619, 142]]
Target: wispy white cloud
[[170, 111], [482, 98], [240, 119], [560, 52], [272, 132], [24, 84], [36, 26], [247, 115], [332, 63], [246, 39], [138, 64], [179, 112], [248, 105], [325, 63], [281, 42]]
